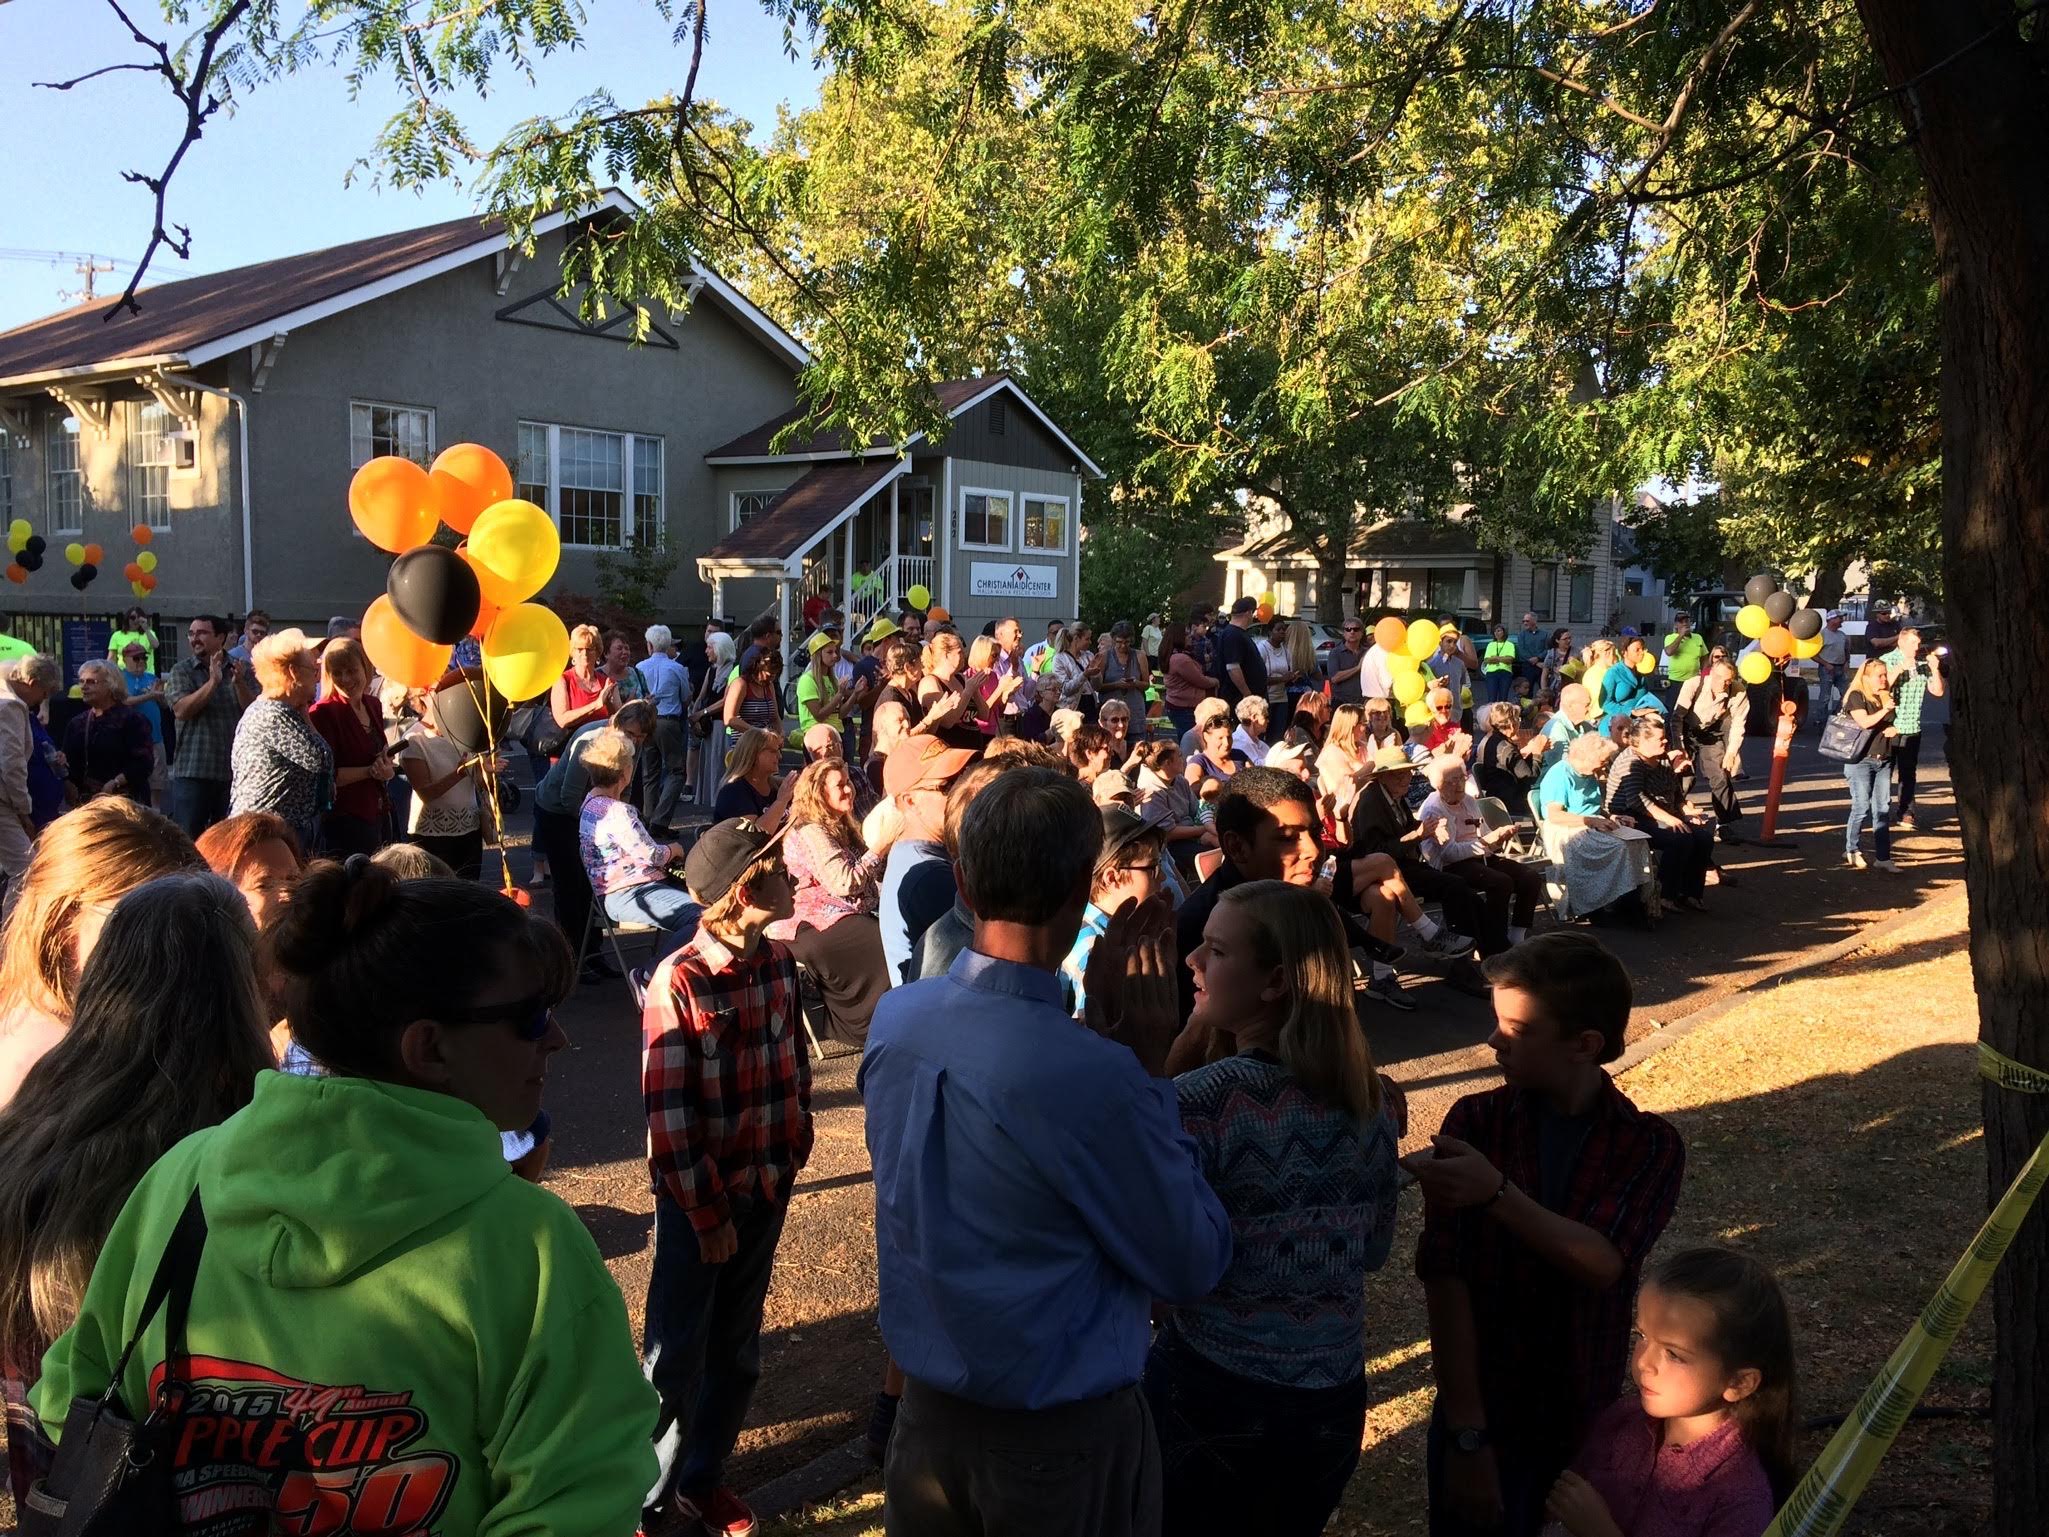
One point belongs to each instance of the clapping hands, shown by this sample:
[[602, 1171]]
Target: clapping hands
[[1130, 982]]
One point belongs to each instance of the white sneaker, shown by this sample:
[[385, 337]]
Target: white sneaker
[[1886, 865], [1855, 859]]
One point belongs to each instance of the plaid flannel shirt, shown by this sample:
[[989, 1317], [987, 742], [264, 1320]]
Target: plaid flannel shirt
[[206, 743], [1552, 1353], [725, 1078]]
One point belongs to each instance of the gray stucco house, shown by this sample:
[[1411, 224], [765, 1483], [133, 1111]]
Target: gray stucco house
[[231, 412]]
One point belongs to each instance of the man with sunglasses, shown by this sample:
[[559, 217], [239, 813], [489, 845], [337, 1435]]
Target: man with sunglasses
[[1344, 662]]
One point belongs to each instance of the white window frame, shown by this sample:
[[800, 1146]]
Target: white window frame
[[6, 476], [1066, 523], [629, 456], [1010, 517], [358, 459], [52, 431], [767, 493], [157, 517]]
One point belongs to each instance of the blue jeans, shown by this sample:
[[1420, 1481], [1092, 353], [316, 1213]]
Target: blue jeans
[[662, 903], [1870, 794], [701, 1344], [1184, 720], [196, 804], [1500, 687]]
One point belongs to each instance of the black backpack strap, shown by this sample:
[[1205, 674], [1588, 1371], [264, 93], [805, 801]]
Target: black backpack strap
[[175, 1274]]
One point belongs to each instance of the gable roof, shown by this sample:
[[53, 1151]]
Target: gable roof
[[193, 321], [955, 397], [809, 508]]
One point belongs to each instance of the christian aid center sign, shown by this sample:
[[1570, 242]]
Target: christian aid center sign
[[996, 579]]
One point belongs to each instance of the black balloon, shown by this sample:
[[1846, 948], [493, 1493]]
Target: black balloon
[[1805, 624], [435, 592], [1758, 588], [30, 559], [1778, 608], [35, 546], [78, 580], [458, 711], [88, 571]]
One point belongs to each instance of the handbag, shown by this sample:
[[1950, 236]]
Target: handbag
[[113, 1474], [1844, 740]]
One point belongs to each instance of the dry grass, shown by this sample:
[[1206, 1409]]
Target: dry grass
[[1831, 1126]]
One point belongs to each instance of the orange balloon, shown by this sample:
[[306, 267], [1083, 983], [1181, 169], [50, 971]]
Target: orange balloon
[[396, 652], [133, 572], [486, 612], [1776, 643], [467, 478], [94, 555], [149, 581], [391, 504], [16, 572], [142, 533], [1391, 635]]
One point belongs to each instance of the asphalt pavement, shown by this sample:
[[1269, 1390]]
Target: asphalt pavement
[[822, 1355]]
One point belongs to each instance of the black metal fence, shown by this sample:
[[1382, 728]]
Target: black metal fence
[[46, 632]]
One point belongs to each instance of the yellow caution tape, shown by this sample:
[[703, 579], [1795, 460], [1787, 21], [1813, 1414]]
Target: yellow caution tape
[[1821, 1503]]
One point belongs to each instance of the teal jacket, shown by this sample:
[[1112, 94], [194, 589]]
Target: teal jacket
[[390, 1330]]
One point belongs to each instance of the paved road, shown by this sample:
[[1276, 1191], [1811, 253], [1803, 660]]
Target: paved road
[[822, 1355]]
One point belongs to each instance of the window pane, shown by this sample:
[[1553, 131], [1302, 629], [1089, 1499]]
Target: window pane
[[6, 476], [1045, 524], [592, 475], [530, 475], [647, 492], [1543, 590], [149, 463], [985, 519], [1446, 588], [1582, 609], [377, 430], [67, 509], [750, 504]]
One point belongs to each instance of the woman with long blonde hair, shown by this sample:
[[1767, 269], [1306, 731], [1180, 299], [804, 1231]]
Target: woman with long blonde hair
[[84, 863], [1342, 766], [1870, 704], [1259, 1389], [832, 927]]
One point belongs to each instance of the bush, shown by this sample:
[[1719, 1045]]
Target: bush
[[1128, 572]]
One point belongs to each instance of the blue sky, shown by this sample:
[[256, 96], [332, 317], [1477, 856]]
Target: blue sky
[[268, 181]]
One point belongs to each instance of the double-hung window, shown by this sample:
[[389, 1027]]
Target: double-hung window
[[65, 485], [1581, 609], [149, 462], [985, 519], [1544, 590], [6, 475], [603, 489], [1045, 525], [378, 429]]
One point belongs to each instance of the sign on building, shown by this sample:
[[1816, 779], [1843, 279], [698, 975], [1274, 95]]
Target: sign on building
[[999, 579]]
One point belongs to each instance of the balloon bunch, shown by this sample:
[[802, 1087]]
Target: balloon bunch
[[142, 571], [85, 558], [1408, 647], [26, 546], [434, 596], [1774, 618], [1268, 602]]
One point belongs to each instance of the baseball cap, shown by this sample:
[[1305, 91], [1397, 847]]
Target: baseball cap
[[1120, 825], [722, 854], [1245, 605], [1109, 785], [922, 762]]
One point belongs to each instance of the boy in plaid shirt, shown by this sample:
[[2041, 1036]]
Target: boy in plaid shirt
[[727, 1084]]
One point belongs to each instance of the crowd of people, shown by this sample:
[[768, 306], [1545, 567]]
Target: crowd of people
[[1099, 917]]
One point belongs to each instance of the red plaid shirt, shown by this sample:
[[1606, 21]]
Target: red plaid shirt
[[725, 1077], [1552, 1353]]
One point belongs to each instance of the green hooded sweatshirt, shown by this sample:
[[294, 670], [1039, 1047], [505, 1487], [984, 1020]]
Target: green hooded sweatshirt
[[390, 1331]]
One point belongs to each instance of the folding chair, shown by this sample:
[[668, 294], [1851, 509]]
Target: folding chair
[[616, 937], [811, 1010], [1495, 813]]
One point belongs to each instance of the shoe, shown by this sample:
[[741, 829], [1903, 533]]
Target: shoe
[[1448, 945], [882, 1425], [1692, 904], [1730, 835], [726, 1514], [1855, 859], [1470, 980], [1908, 820], [1389, 990], [1886, 865]]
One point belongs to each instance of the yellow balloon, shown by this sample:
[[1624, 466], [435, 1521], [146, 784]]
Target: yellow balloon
[[1752, 621], [1401, 665], [1418, 714], [1574, 671], [1408, 687], [1590, 680], [515, 549], [147, 560], [1269, 599], [525, 649], [1646, 663], [1465, 697], [1423, 638], [920, 596], [1807, 649], [1755, 668]]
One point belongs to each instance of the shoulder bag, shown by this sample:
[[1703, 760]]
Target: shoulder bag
[[112, 1474], [1844, 740]]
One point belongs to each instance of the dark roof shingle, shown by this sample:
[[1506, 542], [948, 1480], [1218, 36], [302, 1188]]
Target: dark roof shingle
[[184, 314], [808, 505]]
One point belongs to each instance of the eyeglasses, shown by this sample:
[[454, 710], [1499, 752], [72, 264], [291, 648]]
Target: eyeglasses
[[530, 1018]]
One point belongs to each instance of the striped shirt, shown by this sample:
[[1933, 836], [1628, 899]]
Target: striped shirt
[[725, 1078]]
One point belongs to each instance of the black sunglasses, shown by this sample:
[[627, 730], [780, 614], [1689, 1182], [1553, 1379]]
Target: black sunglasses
[[529, 1017]]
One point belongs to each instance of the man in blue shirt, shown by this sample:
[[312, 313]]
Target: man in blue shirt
[[668, 685], [1034, 1192], [917, 880]]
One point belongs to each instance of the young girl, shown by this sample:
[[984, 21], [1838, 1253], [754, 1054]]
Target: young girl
[[1705, 1449]]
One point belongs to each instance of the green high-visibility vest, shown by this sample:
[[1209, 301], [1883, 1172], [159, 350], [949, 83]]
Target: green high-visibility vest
[[1500, 656]]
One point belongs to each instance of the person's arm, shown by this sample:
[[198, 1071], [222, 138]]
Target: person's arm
[[188, 704], [736, 695], [1936, 686], [1458, 1176], [417, 769], [1871, 717], [846, 874], [778, 808], [568, 719]]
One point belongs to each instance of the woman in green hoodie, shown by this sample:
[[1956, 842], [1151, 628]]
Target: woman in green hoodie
[[390, 1330]]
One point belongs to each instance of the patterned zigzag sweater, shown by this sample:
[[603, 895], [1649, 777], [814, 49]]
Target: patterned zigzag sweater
[[1311, 1195]]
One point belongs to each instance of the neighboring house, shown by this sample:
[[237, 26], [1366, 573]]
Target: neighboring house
[[230, 414], [1437, 566], [988, 521]]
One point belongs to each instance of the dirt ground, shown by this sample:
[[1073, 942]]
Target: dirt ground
[[1831, 1128]]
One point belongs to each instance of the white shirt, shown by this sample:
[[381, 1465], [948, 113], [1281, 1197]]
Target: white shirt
[[1376, 678], [1467, 826], [1835, 648], [1255, 750]]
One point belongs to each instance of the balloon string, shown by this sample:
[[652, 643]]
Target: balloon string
[[483, 704]]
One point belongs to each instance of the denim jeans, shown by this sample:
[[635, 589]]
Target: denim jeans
[[1240, 1455], [1870, 795], [662, 903], [1499, 687], [196, 804], [701, 1344]]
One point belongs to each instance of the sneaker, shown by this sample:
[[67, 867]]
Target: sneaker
[[1908, 820], [1886, 865], [726, 1514], [1388, 990], [1855, 859], [882, 1425], [1448, 945]]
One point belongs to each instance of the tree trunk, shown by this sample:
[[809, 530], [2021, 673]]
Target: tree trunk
[[1827, 590], [1334, 596], [1975, 97]]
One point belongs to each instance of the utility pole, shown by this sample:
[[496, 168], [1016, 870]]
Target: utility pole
[[89, 268]]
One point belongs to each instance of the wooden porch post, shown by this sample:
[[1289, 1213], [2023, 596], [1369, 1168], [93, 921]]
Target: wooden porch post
[[782, 604], [847, 601], [892, 590], [942, 536]]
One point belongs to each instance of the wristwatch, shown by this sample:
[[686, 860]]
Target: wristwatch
[[1469, 1440]]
